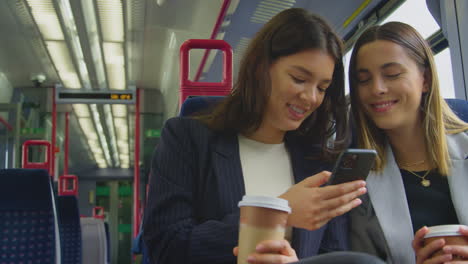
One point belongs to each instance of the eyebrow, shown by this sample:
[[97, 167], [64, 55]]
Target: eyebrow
[[383, 67]]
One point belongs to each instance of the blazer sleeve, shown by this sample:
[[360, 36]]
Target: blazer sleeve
[[335, 237], [172, 231]]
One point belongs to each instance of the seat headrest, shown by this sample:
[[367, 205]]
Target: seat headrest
[[459, 107], [193, 105], [25, 189]]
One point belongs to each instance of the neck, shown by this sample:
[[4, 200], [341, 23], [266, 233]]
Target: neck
[[266, 135], [409, 147]]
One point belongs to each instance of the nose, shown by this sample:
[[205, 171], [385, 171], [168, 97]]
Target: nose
[[310, 96], [378, 86]]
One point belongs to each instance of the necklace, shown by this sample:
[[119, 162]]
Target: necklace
[[412, 164], [424, 182]]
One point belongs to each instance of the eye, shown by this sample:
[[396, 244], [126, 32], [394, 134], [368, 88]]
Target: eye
[[392, 76], [363, 80], [297, 80], [323, 88]]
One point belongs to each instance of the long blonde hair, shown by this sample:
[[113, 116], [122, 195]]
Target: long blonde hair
[[438, 118]]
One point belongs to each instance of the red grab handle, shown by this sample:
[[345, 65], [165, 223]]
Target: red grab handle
[[37, 165], [188, 87], [98, 212], [64, 181]]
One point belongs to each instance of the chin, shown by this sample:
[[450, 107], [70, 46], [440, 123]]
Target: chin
[[292, 126], [385, 125]]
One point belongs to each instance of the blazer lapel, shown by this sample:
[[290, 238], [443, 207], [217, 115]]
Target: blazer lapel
[[228, 170], [388, 197], [458, 179]]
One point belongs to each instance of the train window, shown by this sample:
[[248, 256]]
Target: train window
[[422, 22], [444, 72]]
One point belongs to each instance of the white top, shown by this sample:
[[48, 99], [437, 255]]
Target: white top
[[266, 168]]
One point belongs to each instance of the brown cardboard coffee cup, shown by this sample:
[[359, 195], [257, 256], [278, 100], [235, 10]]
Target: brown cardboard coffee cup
[[261, 218], [451, 235]]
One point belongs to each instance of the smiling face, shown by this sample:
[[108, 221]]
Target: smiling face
[[389, 85], [299, 83]]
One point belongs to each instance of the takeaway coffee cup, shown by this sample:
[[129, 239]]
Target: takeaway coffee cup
[[450, 233], [261, 218]]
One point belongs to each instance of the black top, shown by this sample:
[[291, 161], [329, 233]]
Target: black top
[[431, 205]]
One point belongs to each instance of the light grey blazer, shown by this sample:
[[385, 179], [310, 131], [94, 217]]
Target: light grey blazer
[[382, 225]]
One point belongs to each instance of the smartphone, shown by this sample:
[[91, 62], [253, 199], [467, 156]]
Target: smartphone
[[353, 164]]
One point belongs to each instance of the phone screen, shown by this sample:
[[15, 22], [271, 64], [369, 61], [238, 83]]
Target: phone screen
[[353, 164]]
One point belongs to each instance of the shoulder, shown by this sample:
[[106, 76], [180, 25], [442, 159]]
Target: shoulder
[[185, 126], [458, 145], [187, 131]]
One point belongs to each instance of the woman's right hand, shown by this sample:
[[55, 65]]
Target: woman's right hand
[[271, 252], [313, 206], [424, 253]]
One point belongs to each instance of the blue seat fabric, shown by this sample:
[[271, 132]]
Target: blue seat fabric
[[199, 104], [70, 229], [27, 224]]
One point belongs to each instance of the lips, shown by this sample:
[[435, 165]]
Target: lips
[[383, 106], [296, 112]]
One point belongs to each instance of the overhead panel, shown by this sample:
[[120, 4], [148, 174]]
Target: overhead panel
[[250, 16], [267, 9]]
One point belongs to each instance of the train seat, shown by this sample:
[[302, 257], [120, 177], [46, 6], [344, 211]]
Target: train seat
[[70, 229], [459, 107], [196, 104], [93, 240], [28, 220], [106, 228]]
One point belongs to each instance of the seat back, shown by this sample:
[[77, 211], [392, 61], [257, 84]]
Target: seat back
[[459, 107], [106, 229], [93, 240], [28, 222], [199, 104], [70, 229]]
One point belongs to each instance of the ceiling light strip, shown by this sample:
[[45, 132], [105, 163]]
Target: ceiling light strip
[[100, 132], [111, 20], [72, 33], [113, 141], [89, 13]]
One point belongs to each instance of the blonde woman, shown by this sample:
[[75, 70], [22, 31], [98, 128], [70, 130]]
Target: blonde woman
[[420, 177]]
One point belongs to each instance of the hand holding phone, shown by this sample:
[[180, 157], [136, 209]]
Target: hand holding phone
[[353, 164]]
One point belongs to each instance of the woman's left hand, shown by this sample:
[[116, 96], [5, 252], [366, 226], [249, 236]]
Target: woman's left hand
[[271, 252], [459, 253]]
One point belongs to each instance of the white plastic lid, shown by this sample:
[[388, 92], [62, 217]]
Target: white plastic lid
[[266, 202], [443, 230]]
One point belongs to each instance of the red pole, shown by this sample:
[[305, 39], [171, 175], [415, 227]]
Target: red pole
[[136, 168], [5, 123], [54, 134], [219, 22], [65, 165]]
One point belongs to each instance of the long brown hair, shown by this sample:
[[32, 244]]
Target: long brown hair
[[438, 119], [289, 32]]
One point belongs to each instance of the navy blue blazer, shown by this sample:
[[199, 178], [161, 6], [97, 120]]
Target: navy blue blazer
[[192, 214]]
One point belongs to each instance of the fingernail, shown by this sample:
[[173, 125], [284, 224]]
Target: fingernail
[[464, 228], [259, 247], [251, 259], [360, 184], [447, 249], [362, 190], [357, 202]]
